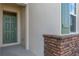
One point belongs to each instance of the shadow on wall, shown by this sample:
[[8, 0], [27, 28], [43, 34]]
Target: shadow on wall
[[0, 51]]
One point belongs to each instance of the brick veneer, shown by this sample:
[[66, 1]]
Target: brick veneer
[[67, 45]]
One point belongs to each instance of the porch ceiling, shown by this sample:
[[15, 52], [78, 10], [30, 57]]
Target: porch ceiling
[[21, 4]]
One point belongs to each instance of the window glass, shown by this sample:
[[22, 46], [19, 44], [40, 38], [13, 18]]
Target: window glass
[[65, 15], [72, 10], [68, 18]]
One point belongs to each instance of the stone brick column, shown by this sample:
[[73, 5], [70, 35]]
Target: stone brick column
[[67, 45]]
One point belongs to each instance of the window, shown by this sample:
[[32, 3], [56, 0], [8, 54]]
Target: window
[[68, 18], [72, 10]]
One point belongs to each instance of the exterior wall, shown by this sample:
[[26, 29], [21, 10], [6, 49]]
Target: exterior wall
[[23, 26], [43, 18], [15, 8], [0, 25]]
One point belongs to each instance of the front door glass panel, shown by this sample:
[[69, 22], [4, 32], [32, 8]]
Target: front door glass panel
[[9, 27]]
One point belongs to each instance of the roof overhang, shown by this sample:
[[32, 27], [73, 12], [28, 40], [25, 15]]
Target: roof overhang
[[22, 4]]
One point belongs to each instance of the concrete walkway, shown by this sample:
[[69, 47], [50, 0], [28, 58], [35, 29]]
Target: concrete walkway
[[15, 51]]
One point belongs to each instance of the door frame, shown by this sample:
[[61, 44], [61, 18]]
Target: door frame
[[18, 27]]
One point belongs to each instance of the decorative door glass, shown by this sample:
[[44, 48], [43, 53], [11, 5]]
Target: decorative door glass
[[9, 27]]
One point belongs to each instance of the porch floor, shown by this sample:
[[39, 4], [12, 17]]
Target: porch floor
[[15, 51]]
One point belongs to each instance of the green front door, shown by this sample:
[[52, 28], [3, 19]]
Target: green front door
[[9, 27]]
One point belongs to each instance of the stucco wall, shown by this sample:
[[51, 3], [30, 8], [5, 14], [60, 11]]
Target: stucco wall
[[23, 27], [0, 25], [43, 19]]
